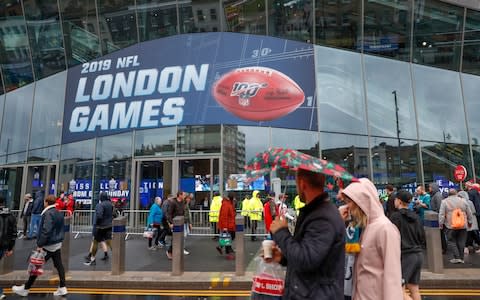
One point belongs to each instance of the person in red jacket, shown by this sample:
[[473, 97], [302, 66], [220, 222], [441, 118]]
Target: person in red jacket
[[69, 204], [60, 202], [226, 221], [270, 211]]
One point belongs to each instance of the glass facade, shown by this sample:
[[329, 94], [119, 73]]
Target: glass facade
[[396, 89]]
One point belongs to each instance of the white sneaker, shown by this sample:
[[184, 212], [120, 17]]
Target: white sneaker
[[20, 290], [61, 291], [455, 261], [186, 252], [2, 296]]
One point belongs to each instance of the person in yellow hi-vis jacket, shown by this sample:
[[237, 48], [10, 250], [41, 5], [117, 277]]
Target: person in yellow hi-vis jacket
[[215, 212], [245, 212], [256, 210], [297, 204]]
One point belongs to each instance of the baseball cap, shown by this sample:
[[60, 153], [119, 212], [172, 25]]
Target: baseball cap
[[404, 196]]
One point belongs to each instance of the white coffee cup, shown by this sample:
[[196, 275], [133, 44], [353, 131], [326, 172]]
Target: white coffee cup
[[267, 248]]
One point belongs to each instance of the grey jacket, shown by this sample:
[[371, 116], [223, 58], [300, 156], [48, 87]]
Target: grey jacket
[[447, 207], [436, 199]]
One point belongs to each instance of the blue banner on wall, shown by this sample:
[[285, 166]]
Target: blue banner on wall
[[202, 78]]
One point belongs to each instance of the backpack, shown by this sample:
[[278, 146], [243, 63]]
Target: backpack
[[458, 219], [6, 230]]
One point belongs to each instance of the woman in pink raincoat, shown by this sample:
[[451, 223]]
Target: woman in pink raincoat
[[377, 271]]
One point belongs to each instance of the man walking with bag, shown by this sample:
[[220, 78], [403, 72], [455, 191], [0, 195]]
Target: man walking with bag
[[50, 237], [8, 233]]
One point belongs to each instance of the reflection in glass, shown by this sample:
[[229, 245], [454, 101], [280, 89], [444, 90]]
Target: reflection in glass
[[471, 90], [48, 111], [198, 139], [389, 88], [441, 158], [14, 48], [200, 16], [257, 139], [80, 30], [340, 90], [437, 34], [303, 141], [157, 142], [233, 150], [349, 151], [245, 16], [18, 108], [156, 19], [396, 162], [117, 21], [77, 164], [45, 36], [292, 20], [439, 105], [471, 46], [113, 160], [16, 158], [338, 23], [47, 154], [387, 28], [195, 178]]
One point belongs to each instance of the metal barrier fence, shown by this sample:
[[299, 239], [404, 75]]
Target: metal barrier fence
[[82, 223]]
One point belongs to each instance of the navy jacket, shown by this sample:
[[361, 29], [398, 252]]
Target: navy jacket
[[315, 254], [104, 212], [51, 227], [37, 206]]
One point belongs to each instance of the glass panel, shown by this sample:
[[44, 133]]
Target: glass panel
[[389, 88], [76, 170], [45, 35], [340, 90], [439, 105], [14, 48], [471, 46], [387, 28], [291, 19], [157, 142], [437, 34], [48, 111], [44, 154], [16, 121], [389, 169], [471, 90], [10, 186], [198, 139], [245, 16], [338, 23], [233, 150], [349, 151], [2, 89], [16, 158], [199, 16], [156, 19], [80, 30], [196, 178], [440, 159], [113, 168], [118, 27], [155, 181], [256, 139], [304, 141]]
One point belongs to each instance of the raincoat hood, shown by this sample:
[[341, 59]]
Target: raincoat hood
[[365, 195], [435, 188], [255, 194], [463, 194]]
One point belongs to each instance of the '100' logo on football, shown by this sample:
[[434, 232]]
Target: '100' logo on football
[[245, 90]]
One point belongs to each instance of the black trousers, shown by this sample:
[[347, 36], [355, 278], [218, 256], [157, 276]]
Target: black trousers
[[57, 263], [472, 236], [26, 224], [157, 235]]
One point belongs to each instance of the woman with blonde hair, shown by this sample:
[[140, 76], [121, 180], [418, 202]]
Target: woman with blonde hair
[[377, 271]]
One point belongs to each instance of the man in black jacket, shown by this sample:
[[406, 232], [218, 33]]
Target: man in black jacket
[[176, 208], [8, 233], [37, 208], [49, 240], [474, 196], [315, 254], [103, 226], [413, 242]]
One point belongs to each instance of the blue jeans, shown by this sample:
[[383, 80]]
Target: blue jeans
[[1, 255], [34, 224]]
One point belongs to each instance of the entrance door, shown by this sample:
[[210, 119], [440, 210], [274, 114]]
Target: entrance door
[[154, 180], [41, 177], [10, 186]]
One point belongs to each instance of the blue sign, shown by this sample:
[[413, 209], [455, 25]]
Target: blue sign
[[83, 191], [148, 190], [192, 79]]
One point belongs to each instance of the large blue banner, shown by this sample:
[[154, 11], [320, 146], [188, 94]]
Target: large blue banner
[[203, 78]]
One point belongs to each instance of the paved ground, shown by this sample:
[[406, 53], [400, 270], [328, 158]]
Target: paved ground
[[203, 256]]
